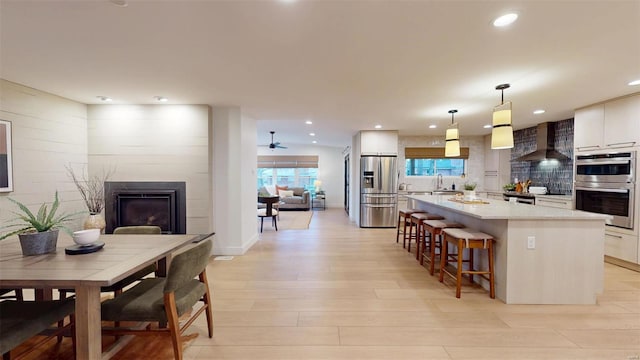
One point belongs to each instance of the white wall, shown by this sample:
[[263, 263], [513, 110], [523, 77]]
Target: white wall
[[48, 133], [330, 168], [475, 164], [234, 174], [155, 143]]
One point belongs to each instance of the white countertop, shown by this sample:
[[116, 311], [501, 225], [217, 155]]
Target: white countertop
[[501, 210]]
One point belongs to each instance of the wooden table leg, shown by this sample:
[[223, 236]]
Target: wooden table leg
[[43, 294], [88, 323]]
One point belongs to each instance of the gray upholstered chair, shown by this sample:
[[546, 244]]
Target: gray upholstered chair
[[164, 300], [22, 320], [142, 229]]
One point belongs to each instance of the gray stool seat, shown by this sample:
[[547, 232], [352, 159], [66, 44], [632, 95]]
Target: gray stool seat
[[404, 220], [434, 228], [467, 239], [417, 219]]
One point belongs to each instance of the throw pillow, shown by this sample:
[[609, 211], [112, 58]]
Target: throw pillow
[[278, 188], [286, 193]]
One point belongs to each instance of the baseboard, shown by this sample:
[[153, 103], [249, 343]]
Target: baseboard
[[622, 263], [235, 250]]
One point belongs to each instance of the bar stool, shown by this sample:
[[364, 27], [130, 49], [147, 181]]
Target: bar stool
[[467, 239], [416, 219], [404, 219], [434, 228]]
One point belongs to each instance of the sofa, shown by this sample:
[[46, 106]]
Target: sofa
[[299, 199]]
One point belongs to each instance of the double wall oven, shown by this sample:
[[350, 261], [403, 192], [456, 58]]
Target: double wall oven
[[605, 184]]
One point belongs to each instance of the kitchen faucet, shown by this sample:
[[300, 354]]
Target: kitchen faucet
[[439, 182]]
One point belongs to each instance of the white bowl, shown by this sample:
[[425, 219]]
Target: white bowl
[[86, 237]]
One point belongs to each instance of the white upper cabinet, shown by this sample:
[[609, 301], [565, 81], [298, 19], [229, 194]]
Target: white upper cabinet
[[622, 122], [610, 125], [588, 128], [380, 142], [497, 166]]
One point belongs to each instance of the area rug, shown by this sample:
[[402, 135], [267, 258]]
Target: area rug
[[294, 220]]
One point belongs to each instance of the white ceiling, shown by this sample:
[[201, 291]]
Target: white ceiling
[[345, 65]]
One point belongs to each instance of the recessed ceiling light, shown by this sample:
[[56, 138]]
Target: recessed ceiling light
[[634, 82], [538, 112], [505, 20], [161, 98], [378, 126], [104, 98], [432, 126], [488, 126], [308, 122], [314, 142], [312, 134]]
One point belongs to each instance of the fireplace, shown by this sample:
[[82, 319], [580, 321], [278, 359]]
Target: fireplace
[[134, 203]]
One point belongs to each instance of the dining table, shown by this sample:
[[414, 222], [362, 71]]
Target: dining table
[[121, 256]]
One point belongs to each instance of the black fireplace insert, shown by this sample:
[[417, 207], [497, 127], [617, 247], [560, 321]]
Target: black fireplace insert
[[133, 203]]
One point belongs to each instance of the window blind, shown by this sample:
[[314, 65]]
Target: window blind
[[287, 161], [432, 153]]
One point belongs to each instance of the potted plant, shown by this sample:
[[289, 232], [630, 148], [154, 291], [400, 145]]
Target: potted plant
[[469, 191], [38, 233], [92, 191]]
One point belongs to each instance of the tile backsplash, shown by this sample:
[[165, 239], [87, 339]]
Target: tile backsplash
[[556, 175], [475, 164]]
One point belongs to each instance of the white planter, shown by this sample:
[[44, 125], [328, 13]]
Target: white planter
[[469, 195]]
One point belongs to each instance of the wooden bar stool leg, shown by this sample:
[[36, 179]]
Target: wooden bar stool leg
[[404, 231], [444, 256], [471, 268], [434, 239], [411, 235], [459, 270], [398, 232], [492, 284]]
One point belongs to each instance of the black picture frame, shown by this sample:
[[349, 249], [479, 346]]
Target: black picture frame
[[6, 158]]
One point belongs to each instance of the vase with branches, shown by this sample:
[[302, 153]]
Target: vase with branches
[[91, 188]]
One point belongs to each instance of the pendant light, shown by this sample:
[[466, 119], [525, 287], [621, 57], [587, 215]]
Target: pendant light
[[452, 138], [502, 133]]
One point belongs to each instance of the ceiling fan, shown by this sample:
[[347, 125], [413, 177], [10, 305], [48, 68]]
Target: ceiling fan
[[275, 145]]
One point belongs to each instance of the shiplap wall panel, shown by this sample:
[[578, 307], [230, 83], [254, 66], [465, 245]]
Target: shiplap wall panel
[[49, 132], [155, 143]]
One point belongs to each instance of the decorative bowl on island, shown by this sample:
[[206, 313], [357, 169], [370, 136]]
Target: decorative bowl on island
[[86, 237]]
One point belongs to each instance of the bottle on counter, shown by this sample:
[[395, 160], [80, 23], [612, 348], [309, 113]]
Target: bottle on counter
[[453, 186]]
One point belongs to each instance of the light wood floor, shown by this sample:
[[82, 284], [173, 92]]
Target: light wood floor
[[339, 292]]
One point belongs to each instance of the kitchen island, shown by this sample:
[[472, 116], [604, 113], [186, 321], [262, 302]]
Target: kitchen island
[[542, 255]]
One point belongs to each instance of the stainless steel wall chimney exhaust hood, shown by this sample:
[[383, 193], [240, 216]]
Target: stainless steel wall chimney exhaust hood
[[545, 148]]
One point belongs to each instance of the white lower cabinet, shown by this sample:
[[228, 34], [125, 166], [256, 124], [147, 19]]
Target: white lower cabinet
[[621, 246], [495, 196], [555, 203]]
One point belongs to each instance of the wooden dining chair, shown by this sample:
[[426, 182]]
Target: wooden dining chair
[[166, 299], [16, 294], [22, 320]]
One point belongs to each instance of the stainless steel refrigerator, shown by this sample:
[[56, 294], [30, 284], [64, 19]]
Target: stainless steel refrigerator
[[378, 191]]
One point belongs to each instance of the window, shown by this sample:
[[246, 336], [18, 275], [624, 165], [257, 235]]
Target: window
[[432, 167], [292, 177], [431, 162], [292, 171]]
